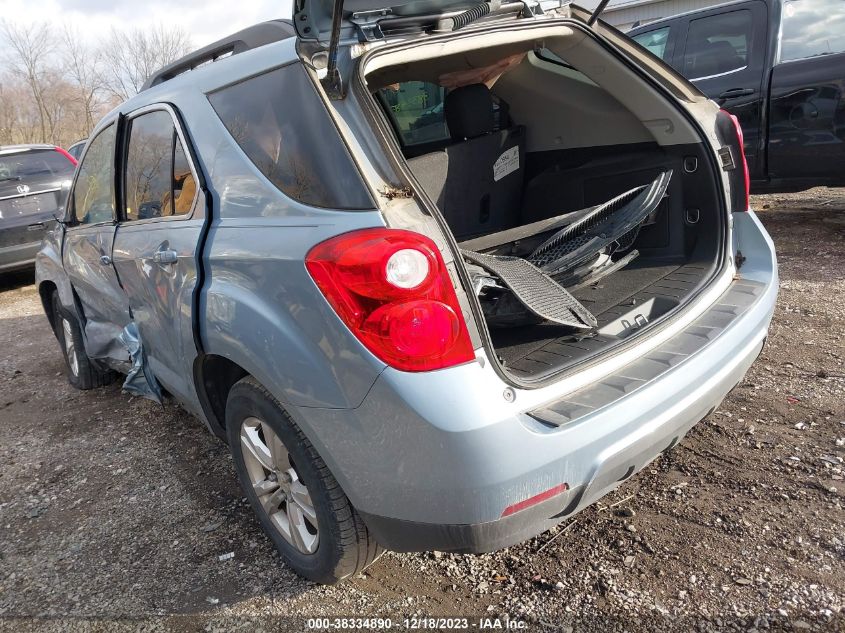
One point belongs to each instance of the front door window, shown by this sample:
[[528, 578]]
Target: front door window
[[93, 196]]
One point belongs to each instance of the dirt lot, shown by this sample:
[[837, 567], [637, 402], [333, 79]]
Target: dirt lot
[[114, 511]]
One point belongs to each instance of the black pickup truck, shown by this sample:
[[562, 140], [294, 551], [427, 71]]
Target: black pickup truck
[[779, 66]]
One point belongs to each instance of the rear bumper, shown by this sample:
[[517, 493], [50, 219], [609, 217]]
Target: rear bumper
[[432, 460], [18, 256], [600, 472]]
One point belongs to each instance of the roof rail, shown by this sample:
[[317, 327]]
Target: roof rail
[[247, 39]]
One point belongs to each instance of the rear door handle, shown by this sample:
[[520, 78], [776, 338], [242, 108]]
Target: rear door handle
[[165, 257], [105, 260], [737, 92]]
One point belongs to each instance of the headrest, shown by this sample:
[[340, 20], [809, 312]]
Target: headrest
[[726, 56], [716, 57], [469, 111]]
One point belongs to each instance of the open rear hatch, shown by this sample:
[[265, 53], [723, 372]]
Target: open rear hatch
[[584, 203], [332, 22], [373, 20]]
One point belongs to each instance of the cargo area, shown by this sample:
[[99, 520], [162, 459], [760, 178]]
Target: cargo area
[[549, 159]]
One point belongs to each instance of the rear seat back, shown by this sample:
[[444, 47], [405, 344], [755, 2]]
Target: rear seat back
[[477, 180]]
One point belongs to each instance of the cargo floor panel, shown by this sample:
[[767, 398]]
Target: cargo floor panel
[[622, 303]]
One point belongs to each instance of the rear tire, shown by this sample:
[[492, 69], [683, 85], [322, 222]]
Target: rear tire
[[288, 485], [81, 372]]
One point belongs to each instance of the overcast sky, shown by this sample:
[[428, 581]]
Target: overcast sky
[[205, 20]]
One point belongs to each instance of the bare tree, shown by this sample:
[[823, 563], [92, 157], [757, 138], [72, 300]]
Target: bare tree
[[82, 68], [130, 57], [19, 120], [29, 48], [55, 89]]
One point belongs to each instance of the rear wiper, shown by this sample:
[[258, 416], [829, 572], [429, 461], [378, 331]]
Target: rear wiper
[[4, 179]]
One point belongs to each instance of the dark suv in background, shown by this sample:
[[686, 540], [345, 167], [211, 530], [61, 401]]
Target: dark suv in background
[[779, 66], [33, 184]]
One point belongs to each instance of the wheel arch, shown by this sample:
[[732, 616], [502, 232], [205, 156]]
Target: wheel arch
[[45, 292], [214, 377]]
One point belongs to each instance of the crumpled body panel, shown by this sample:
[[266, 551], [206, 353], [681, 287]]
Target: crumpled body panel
[[140, 379]]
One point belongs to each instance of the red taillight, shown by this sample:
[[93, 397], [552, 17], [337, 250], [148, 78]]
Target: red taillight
[[66, 155], [744, 165], [531, 501], [393, 291]]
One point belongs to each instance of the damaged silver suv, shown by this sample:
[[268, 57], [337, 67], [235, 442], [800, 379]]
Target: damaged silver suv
[[441, 274]]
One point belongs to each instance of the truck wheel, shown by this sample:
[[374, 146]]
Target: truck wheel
[[81, 372], [299, 503]]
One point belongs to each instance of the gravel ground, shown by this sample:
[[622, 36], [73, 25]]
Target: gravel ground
[[114, 511]]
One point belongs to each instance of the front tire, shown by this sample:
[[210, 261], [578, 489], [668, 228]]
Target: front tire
[[81, 372], [299, 503]]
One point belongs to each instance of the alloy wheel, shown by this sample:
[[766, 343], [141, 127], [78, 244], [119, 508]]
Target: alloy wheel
[[70, 348], [278, 486]]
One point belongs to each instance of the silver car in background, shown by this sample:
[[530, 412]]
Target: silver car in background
[[441, 279], [33, 184]]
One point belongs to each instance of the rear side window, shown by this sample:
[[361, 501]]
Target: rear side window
[[416, 109], [280, 123], [810, 28], [717, 44], [654, 42], [93, 195], [158, 179], [35, 164]]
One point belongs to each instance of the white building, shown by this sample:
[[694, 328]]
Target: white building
[[625, 14]]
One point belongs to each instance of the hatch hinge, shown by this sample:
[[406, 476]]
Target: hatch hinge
[[528, 11], [367, 23]]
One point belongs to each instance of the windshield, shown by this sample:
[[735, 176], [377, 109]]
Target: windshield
[[810, 28]]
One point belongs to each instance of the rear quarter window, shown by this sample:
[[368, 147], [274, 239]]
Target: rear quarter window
[[280, 123]]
